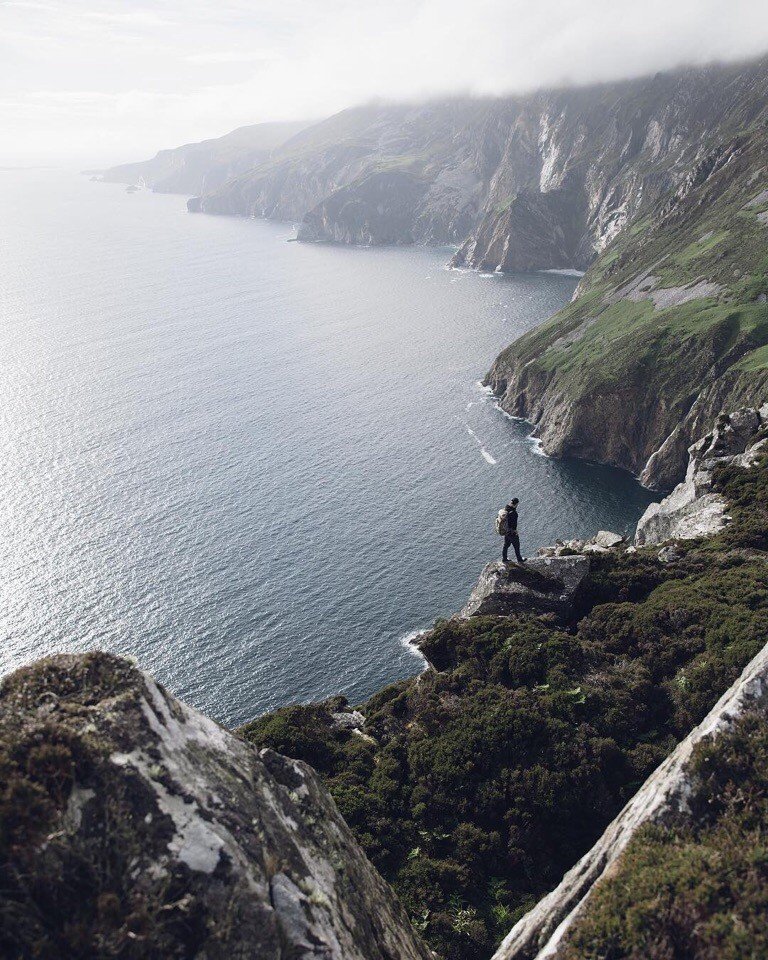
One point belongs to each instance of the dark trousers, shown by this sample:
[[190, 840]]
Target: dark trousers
[[512, 539]]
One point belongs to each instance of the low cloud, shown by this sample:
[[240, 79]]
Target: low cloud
[[118, 79]]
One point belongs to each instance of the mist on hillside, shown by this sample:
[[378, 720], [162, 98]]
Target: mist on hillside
[[101, 83]]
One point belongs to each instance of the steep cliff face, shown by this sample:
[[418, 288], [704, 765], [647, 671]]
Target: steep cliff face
[[669, 328], [197, 167], [580, 165], [546, 180], [382, 173], [132, 826]]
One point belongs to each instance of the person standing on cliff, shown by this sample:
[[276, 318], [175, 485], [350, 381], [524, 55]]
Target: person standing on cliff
[[511, 538]]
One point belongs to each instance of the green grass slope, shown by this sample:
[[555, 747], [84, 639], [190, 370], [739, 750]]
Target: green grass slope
[[479, 784], [615, 372]]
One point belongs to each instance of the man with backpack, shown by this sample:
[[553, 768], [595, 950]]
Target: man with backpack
[[506, 526]]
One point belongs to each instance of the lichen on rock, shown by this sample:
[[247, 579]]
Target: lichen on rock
[[134, 826]]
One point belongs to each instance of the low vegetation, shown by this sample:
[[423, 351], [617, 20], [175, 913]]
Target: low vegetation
[[478, 784], [697, 887]]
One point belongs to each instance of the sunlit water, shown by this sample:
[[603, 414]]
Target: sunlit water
[[255, 466]]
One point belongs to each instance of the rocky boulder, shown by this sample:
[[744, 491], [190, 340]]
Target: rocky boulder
[[134, 826], [694, 509], [542, 585], [603, 542]]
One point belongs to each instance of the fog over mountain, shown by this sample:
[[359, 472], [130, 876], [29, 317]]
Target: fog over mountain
[[105, 82]]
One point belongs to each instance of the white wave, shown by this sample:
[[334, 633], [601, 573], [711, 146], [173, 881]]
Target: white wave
[[483, 388], [483, 452], [509, 416], [570, 272], [408, 643]]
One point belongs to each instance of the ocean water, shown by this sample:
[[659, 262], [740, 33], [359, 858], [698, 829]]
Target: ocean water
[[256, 466]]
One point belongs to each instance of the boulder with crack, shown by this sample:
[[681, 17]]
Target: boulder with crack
[[542, 585]]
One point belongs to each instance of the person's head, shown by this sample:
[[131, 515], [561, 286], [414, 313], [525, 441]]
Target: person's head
[[514, 501]]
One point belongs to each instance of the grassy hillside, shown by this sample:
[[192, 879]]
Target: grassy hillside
[[674, 311], [478, 784]]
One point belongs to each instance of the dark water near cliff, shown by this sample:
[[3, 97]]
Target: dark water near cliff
[[255, 466]]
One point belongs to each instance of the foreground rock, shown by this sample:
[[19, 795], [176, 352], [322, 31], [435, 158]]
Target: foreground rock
[[693, 509], [543, 931], [133, 826], [542, 585]]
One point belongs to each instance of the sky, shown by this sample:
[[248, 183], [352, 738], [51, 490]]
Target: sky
[[94, 82]]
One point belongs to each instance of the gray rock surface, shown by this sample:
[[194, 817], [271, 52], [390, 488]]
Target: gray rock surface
[[542, 585], [602, 542], [545, 180], [693, 509], [542, 930], [135, 826]]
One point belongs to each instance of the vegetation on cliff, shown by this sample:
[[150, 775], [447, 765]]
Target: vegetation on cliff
[[476, 785], [671, 325], [698, 886]]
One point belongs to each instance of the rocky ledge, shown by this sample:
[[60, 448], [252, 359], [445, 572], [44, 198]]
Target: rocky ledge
[[693, 509], [542, 585], [134, 826]]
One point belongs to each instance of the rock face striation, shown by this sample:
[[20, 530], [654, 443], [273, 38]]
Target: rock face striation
[[541, 181], [693, 509], [542, 932], [669, 326], [134, 826], [542, 585]]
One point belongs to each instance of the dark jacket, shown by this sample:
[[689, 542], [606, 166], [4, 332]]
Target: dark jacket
[[511, 518]]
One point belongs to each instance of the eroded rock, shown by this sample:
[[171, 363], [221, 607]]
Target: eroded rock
[[542, 585], [135, 826], [694, 509]]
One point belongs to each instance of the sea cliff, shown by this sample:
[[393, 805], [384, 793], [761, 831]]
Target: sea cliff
[[514, 766]]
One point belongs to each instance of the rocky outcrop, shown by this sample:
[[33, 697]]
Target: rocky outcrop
[[378, 210], [542, 585], [532, 231], [693, 509], [603, 542], [542, 932], [134, 826]]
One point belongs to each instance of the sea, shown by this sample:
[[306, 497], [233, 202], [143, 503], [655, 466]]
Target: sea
[[258, 467]]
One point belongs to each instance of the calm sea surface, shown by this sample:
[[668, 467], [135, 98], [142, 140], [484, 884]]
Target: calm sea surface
[[256, 466]]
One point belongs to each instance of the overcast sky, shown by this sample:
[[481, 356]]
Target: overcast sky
[[100, 81]]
